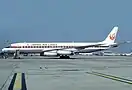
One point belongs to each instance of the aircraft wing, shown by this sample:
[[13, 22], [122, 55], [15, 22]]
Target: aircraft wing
[[76, 47]]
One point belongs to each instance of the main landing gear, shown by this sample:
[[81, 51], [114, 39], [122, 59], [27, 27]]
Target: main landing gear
[[65, 57], [5, 55]]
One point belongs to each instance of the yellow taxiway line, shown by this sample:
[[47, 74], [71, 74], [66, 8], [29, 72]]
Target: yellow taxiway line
[[18, 82], [116, 78]]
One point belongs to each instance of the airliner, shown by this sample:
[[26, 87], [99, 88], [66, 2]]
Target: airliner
[[63, 49]]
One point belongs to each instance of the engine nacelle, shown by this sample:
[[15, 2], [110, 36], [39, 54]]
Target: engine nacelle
[[50, 54], [64, 52], [56, 53]]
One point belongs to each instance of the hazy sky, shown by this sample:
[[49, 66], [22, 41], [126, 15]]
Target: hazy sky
[[64, 20]]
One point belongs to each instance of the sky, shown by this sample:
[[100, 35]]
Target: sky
[[64, 20]]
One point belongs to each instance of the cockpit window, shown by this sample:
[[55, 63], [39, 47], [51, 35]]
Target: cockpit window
[[7, 47]]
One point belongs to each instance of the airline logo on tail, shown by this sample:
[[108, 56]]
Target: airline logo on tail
[[112, 36]]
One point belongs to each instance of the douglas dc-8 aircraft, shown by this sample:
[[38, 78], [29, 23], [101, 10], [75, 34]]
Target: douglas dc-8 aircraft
[[62, 50]]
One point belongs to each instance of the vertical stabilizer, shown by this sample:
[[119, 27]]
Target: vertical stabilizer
[[112, 36]]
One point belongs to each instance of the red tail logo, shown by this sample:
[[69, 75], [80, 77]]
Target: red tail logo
[[112, 36]]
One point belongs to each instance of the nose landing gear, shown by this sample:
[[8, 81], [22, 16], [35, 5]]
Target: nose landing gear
[[17, 55]]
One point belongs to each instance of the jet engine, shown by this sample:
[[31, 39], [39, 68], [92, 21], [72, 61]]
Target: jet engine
[[56, 53], [49, 54], [64, 52]]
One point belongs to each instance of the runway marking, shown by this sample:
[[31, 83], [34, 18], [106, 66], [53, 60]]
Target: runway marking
[[12, 82], [18, 82], [111, 77], [6, 80], [23, 82]]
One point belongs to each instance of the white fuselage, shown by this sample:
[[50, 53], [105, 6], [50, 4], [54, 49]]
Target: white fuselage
[[40, 47]]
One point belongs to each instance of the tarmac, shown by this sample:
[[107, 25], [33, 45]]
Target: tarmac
[[77, 73]]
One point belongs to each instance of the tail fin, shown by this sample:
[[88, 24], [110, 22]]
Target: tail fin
[[112, 36]]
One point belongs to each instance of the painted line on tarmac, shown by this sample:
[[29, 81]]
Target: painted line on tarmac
[[115, 77], [23, 82], [18, 82], [12, 82], [6, 80], [128, 81]]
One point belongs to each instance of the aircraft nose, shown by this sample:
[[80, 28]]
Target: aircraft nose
[[3, 50]]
